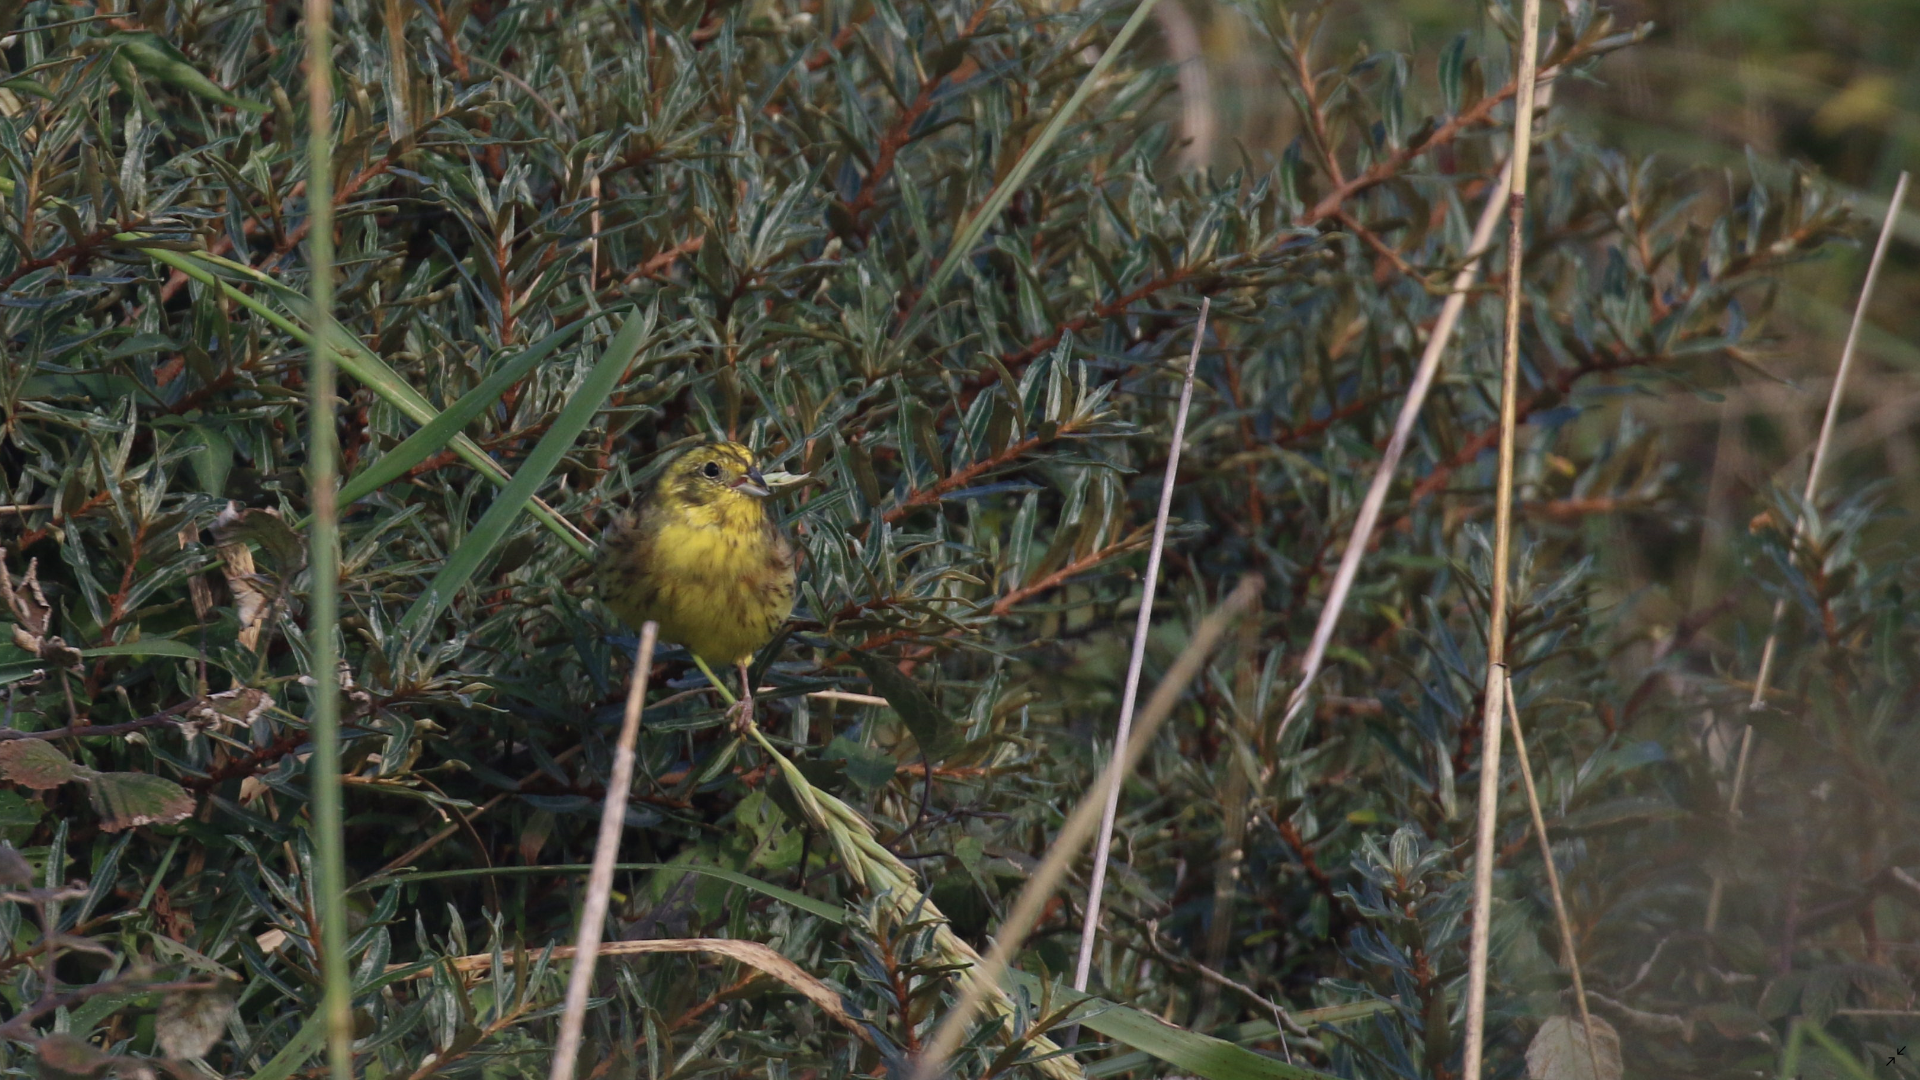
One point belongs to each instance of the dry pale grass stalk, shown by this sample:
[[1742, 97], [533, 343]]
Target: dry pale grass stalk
[[1484, 849], [982, 981], [1089, 929], [1821, 445], [1553, 877], [1416, 400], [606, 852], [1198, 124], [762, 958]]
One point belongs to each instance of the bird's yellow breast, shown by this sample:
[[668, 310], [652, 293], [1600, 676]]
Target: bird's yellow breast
[[717, 578]]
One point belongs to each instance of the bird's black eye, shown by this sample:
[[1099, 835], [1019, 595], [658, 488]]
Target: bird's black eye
[[712, 470]]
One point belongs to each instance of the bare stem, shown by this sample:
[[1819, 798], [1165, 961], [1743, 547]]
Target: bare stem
[[606, 852], [1764, 677], [1485, 851], [1089, 930], [1571, 954]]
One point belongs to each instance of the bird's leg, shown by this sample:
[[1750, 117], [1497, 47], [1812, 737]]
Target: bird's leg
[[744, 709]]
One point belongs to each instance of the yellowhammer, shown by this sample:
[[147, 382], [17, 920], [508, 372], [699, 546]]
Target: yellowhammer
[[703, 558]]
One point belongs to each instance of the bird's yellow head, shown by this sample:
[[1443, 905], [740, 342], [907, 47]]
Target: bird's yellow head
[[718, 480]]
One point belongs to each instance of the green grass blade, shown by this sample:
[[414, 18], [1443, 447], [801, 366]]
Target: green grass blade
[[323, 558], [437, 432], [305, 1043], [1849, 1064], [832, 913], [354, 358], [1029, 160], [1790, 1056], [465, 560], [1189, 1051]]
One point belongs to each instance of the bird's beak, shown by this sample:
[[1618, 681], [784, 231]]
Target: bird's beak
[[752, 484]]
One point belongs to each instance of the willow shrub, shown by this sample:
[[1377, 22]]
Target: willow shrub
[[771, 188]]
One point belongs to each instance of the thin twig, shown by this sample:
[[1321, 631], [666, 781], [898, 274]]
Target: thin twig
[[1572, 955], [1484, 848], [843, 695], [1079, 828], [1090, 928], [1416, 400], [1285, 1020], [606, 852], [1820, 447]]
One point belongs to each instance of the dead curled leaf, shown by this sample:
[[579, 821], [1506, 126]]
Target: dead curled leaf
[[252, 600], [32, 615], [762, 958], [242, 706], [29, 607]]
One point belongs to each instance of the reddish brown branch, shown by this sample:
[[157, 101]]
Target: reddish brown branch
[[1380, 246], [251, 765], [81, 248], [960, 478], [901, 132], [1131, 542]]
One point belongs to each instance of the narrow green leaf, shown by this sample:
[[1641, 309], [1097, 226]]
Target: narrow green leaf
[[212, 457], [354, 358], [465, 560], [1849, 1064], [1189, 1051], [20, 84], [155, 58], [437, 432], [977, 226], [1248, 1032], [149, 647], [934, 730], [305, 1043]]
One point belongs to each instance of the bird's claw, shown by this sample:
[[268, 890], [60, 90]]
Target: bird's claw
[[740, 715]]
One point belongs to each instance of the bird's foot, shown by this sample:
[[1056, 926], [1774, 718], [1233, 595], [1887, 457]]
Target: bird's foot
[[740, 716]]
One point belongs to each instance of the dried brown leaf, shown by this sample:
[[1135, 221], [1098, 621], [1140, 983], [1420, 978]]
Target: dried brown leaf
[[36, 764], [126, 800]]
